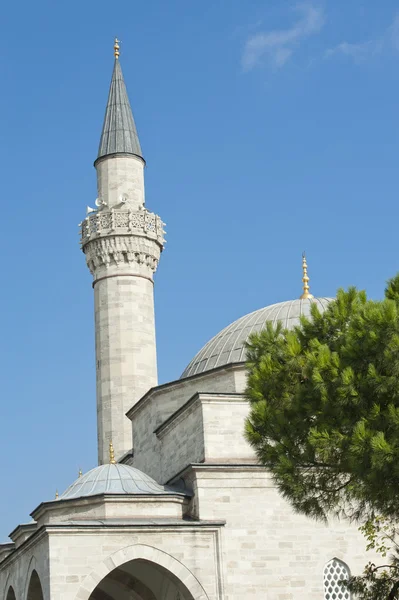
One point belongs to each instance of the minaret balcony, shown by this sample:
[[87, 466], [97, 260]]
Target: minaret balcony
[[122, 222]]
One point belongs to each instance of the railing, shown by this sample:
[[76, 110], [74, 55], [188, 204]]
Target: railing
[[122, 222]]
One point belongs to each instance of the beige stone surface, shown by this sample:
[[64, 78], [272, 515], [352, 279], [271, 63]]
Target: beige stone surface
[[269, 551], [121, 177], [17, 569], [125, 356], [72, 561], [190, 554], [208, 428], [103, 507], [122, 242], [159, 404]]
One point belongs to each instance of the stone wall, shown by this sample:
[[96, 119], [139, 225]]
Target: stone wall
[[162, 402], [83, 556], [17, 569], [181, 441], [208, 428], [269, 550], [224, 419]]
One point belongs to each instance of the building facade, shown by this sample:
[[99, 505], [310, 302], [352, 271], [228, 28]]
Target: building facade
[[178, 507]]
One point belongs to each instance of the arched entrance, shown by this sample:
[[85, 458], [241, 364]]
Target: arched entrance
[[144, 572], [35, 591], [140, 580]]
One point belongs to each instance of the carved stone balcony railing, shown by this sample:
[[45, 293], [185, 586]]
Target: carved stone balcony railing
[[122, 222]]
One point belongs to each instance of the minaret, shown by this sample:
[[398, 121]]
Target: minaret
[[122, 242]]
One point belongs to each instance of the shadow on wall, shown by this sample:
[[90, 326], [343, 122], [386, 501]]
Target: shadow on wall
[[35, 591], [10, 594]]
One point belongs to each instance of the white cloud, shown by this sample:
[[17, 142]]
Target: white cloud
[[388, 41], [277, 46], [356, 52]]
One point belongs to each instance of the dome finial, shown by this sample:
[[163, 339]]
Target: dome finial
[[80, 473], [116, 48], [111, 454], [305, 279], [56, 494]]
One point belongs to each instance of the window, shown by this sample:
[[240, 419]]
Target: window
[[334, 572]]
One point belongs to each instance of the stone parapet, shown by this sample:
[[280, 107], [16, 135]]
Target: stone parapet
[[122, 222]]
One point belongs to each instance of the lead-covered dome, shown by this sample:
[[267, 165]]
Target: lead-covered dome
[[228, 346], [115, 479]]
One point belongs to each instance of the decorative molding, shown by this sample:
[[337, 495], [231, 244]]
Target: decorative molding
[[122, 222], [121, 275], [122, 251]]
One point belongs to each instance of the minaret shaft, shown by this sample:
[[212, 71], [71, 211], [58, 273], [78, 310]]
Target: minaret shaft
[[126, 365], [120, 178]]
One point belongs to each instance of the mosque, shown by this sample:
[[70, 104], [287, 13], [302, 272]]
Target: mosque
[[178, 508]]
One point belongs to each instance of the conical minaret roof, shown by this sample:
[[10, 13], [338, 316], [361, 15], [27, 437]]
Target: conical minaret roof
[[119, 134]]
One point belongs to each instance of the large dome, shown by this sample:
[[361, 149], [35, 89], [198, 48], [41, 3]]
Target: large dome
[[115, 479], [228, 346]]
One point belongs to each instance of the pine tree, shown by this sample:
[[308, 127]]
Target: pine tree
[[324, 411]]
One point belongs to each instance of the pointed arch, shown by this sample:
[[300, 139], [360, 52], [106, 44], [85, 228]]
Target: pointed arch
[[10, 594], [336, 571], [9, 588], [149, 554], [35, 590]]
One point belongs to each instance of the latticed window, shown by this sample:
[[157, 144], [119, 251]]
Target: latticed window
[[334, 572]]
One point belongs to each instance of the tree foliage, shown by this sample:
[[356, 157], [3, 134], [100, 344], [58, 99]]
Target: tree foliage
[[324, 413], [379, 581], [325, 406]]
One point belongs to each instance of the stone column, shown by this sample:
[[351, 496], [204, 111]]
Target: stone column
[[122, 242]]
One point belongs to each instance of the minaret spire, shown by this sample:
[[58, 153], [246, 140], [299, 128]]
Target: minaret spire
[[119, 134], [305, 279]]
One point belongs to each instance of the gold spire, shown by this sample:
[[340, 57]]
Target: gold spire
[[116, 48], [305, 279], [56, 494], [80, 473], [111, 454]]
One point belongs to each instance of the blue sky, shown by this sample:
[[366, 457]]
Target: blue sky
[[268, 127]]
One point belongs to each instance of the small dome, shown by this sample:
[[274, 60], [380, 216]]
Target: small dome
[[115, 479], [228, 346]]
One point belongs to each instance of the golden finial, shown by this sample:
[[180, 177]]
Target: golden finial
[[80, 473], [111, 454], [116, 48], [56, 494], [305, 279]]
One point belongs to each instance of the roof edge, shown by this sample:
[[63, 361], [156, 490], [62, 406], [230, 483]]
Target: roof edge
[[116, 155], [176, 382], [49, 504]]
